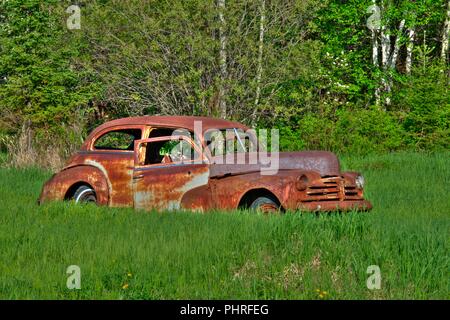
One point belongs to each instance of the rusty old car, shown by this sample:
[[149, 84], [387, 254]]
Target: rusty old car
[[131, 162]]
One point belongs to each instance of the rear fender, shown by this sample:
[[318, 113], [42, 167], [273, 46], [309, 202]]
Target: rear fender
[[58, 186]]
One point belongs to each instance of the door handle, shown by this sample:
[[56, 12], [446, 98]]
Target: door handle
[[138, 177]]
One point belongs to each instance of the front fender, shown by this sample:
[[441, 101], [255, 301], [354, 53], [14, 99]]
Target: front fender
[[229, 191], [59, 184]]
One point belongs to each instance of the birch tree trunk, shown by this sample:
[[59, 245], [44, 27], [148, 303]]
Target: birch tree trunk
[[375, 61], [445, 34], [391, 56], [374, 48], [260, 59], [385, 53], [409, 49], [374, 24], [394, 55], [385, 46], [222, 59]]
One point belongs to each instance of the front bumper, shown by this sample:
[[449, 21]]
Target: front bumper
[[327, 206]]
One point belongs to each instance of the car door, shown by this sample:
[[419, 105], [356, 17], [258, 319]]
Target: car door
[[165, 169], [111, 151]]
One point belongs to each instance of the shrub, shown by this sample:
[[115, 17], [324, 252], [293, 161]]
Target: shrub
[[351, 131], [424, 103]]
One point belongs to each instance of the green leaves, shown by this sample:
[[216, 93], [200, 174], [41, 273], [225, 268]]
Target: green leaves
[[35, 59], [147, 57]]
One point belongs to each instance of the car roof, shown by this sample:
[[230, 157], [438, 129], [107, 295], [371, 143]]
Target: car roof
[[184, 122]]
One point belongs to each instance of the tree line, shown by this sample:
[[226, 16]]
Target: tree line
[[349, 76]]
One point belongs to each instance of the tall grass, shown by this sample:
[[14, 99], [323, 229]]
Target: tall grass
[[126, 254], [28, 149]]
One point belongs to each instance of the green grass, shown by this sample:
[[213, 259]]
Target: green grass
[[3, 157], [238, 255]]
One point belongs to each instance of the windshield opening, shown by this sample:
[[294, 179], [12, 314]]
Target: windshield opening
[[232, 140]]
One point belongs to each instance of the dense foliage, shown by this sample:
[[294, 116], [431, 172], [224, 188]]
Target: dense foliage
[[305, 67]]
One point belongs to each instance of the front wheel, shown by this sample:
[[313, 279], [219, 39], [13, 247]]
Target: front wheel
[[85, 194], [265, 205]]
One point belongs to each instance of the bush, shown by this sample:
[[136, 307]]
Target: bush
[[40, 79], [424, 103], [351, 131]]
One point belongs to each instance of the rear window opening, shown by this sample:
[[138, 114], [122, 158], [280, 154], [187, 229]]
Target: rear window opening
[[118, 140]]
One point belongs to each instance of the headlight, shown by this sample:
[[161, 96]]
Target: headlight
[[360, 182], [302, 182]]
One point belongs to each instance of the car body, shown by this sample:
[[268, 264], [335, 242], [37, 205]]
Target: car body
[[124, 163]]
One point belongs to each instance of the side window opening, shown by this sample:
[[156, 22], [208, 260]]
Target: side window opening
[[167, 132], [118, 140], [160, 132], [169, 151]]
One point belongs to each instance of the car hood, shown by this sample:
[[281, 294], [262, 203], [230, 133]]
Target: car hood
[[323, 162]]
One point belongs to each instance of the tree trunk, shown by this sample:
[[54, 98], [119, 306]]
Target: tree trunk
[[222, 60], [385, 46], [445, 34], [375, 62], [373, 23], [394, 55], [409, 50], [385, 38], [374, 48], [385, 54], [260, 59]]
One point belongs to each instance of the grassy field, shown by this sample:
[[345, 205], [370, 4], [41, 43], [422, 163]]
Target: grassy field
[[125, 254]]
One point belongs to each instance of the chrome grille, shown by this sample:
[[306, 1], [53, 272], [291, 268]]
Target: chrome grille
[[331, 189]]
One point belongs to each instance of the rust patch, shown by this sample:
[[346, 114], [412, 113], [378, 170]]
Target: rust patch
[[163, 187], [58, 186]]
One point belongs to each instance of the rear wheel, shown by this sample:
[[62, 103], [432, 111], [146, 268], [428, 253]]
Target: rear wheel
[[265, 205], [84, 194]]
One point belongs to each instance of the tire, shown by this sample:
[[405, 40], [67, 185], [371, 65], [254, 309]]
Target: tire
[[84, 194], [265, 205]]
